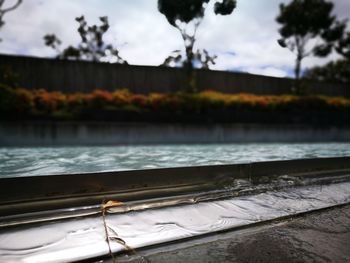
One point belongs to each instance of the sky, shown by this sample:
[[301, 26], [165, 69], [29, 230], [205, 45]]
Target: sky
[[244, 41]]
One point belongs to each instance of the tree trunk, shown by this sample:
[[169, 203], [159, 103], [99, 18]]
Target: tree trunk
[[297, 88], [190, 77]]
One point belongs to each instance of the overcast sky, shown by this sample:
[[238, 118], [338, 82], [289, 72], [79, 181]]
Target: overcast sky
[[244, 41]]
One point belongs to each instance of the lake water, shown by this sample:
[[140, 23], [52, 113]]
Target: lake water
[[59, 160]]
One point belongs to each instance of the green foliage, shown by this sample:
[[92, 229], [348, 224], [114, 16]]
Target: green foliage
[[225, 7], [304, 20], [15, 102], [343, 46], [333, 72], [8, 76], [51, 40], [188, 10], [305, 17], [184, 11], [91, 47]]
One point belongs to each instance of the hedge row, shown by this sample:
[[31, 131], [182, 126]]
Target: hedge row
[[206, 106]]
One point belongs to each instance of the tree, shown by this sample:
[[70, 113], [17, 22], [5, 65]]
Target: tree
[[306, 20], [186, 16], [343, 46], [335, 71], [4, 10], [91, 47]]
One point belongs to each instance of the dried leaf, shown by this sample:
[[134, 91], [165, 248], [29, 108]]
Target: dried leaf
[[111, 203]]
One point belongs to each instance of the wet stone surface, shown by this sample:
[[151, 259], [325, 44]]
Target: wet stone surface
[[85, 238], [317, 237]]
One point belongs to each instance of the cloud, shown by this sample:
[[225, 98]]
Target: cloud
[[245, 40], [268, 71]]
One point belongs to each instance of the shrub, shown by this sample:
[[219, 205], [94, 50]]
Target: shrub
[[121, 97], [99, 98], [15, 103], [213, 105], [48, 102]]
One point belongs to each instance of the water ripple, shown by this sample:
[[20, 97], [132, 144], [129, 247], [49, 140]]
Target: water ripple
[[59, 160]]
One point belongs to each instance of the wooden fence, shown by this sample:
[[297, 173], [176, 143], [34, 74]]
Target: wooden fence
[[72, 76]]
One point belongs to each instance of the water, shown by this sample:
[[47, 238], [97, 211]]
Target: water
[[64, 160]]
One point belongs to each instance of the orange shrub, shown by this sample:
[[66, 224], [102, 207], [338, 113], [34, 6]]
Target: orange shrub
[[99, 98], [156, 100], [76, 99], [139, 100], [45, 102], [339, 102], [49, 101], [121, 97]]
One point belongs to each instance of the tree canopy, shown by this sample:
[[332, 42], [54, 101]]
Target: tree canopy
[[187, 10], [179, 14], [343, 46], [304, 20], [334, 71]]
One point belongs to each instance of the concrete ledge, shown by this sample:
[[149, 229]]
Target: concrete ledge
[[96, 133], [60, 191]]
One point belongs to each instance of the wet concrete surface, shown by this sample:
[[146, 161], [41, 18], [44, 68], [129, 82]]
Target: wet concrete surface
[[316, 237]]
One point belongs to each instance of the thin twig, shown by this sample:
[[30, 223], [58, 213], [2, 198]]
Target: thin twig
[[104, 207], [11, 7], [106, 233]]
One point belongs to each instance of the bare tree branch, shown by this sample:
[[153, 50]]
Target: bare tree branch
[[3, 11]]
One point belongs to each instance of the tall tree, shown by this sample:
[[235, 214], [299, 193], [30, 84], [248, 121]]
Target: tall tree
[[4, 10], [92, 47], [303, 21], [335, 71], [186, 16]]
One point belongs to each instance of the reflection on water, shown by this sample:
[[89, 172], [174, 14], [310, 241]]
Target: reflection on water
[[58, 160]]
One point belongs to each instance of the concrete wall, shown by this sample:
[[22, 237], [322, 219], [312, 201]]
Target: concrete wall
[[40, 134], [70, 76]]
